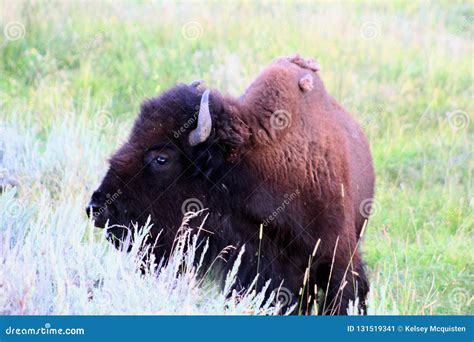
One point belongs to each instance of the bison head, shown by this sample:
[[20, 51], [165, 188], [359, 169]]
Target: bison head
[[173, 162]]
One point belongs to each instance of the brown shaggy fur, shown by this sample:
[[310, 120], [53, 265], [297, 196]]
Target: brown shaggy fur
[[289, 158]]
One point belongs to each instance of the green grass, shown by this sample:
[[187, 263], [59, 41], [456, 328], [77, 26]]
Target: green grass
[[72, 85]]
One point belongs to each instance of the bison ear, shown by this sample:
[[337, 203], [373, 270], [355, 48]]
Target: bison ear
[[198, 84], [231, 132]]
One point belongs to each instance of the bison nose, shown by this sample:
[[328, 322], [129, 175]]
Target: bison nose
[[93, 209], [96, 204]]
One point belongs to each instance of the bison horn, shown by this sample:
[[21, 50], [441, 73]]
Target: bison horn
[[204, 124]]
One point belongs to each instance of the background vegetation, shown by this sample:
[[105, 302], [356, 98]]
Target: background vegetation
[[73, 76]]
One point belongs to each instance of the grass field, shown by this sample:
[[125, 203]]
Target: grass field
[[72, 77]]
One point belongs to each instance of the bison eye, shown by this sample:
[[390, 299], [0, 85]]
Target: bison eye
[[161, 160]]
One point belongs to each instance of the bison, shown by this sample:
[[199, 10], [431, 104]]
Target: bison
[[283, 170]]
